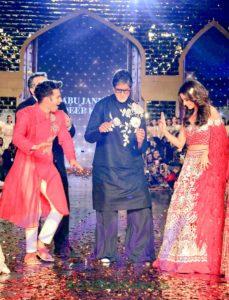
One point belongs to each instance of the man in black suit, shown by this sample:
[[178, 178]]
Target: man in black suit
[[61, 238], [33, 81]]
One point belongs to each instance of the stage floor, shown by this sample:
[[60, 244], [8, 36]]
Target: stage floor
[[83, 278]]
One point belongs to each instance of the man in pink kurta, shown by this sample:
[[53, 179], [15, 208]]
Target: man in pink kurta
[[33, 187]]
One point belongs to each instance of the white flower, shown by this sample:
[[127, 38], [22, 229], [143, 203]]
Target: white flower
[[123, 111], [116, 122], [126, 140], [128, 113], [137, 109], [135, 122]]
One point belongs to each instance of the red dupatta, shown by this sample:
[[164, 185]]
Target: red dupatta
[[210, 201]]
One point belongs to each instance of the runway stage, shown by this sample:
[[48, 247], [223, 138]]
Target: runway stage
[[83, 278]]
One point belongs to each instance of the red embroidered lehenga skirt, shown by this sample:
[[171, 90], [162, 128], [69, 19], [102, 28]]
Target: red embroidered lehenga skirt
[[193, 233]]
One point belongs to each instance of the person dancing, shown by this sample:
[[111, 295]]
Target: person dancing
[[33, 187], [117, 125], [192, 241], [62, 247]]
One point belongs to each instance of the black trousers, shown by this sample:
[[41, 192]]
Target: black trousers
[[61, 237], [139, 242]]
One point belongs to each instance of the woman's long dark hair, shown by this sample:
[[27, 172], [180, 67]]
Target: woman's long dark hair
[[194, 91]]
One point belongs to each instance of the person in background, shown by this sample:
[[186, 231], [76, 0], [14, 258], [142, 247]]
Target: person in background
[[175, 125], [33, 81], [169, 125], [153, 129], [8, 159], [7, 130], [2, 146]]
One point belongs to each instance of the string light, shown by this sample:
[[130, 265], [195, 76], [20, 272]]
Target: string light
[[163, 27]]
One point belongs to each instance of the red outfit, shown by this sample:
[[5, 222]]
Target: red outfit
[[194, 227], [21, 198], [225, 252]]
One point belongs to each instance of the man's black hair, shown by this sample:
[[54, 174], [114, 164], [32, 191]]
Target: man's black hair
[[34, 75], [123, 76], [45, 89]]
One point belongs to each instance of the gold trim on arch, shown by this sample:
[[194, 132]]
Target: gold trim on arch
[[85, 12], [195, 38]]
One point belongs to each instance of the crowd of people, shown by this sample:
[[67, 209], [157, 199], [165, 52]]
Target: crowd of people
[[163, 160]]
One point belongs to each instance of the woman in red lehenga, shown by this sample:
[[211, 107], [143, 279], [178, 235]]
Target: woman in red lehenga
[[192, 241], [33, 187]]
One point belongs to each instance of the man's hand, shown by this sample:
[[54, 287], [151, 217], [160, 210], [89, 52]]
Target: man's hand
[[105, 127], [140, 135], [75, 165]]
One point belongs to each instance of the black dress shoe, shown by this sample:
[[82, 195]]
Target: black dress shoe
[[65, 252]]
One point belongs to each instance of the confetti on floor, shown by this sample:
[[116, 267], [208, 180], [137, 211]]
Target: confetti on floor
[[81, 277]]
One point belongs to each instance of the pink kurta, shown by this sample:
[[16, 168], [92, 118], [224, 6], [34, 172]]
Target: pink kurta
[[21, 201]]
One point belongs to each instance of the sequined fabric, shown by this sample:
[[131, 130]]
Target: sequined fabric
[[179, 243], [199, 135]]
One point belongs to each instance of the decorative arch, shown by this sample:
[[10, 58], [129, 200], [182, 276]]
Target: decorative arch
[[194, 40], [78, 13]]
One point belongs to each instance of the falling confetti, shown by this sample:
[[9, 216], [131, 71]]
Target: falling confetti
[[82, 277]]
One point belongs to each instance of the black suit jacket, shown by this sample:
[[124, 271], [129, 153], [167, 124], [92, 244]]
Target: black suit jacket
[[28, 102], [58, 154]]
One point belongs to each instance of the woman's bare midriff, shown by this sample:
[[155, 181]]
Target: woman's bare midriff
[[197, 147]]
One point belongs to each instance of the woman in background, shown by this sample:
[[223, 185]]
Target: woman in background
[[8, 131]]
